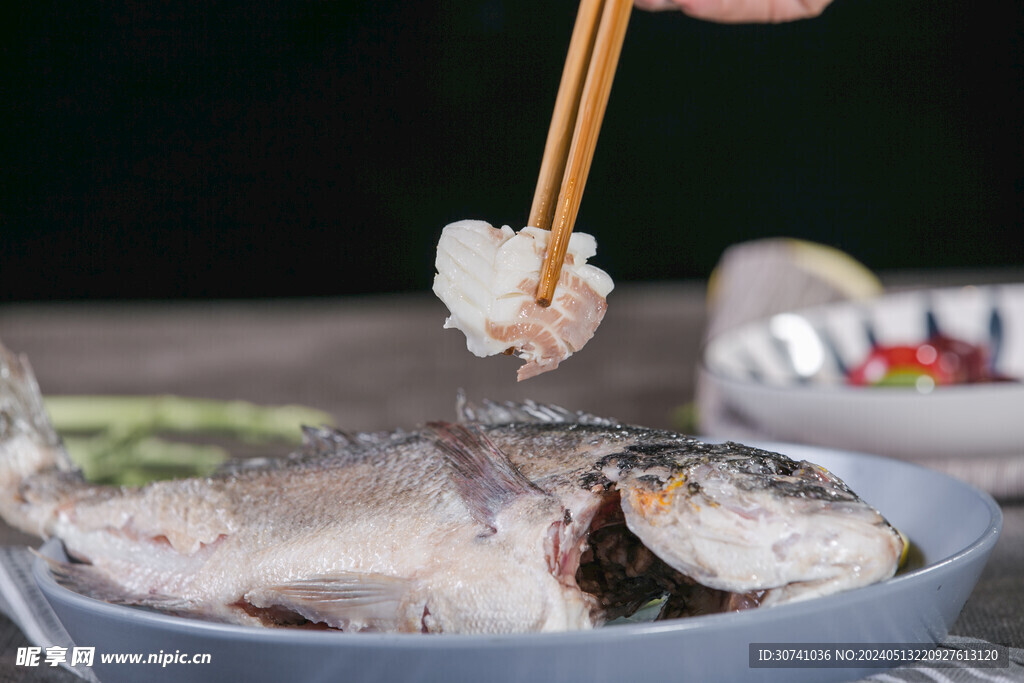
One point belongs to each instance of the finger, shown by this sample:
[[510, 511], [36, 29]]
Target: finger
[[655, 5], [741, 11]]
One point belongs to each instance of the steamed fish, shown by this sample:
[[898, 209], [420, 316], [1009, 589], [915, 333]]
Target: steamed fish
[[513, 518], [487, 277]]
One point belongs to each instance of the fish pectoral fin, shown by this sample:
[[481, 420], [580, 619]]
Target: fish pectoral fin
[[483, 475], [350, 601]]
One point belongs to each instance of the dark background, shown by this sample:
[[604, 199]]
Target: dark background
[[168, 150]]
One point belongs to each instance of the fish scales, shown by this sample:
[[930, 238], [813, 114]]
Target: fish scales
[[515, 517], [281, 525]]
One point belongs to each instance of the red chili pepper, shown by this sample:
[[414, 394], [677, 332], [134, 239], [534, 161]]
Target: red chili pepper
[[944, 359]]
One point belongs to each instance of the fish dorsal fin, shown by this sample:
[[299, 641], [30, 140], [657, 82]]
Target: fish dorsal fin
[[326, 437], [318, 443], [509, 412], [320, 446], [483, 475], [351, 601], [335, 442], [326, 441]]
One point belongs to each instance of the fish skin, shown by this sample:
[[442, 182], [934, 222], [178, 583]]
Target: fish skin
[[476, 526], [223, 544], [732, 517]]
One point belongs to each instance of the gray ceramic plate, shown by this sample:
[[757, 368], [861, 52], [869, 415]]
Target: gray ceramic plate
[[952, 525]]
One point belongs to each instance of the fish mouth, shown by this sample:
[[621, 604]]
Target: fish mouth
[[620, 575]]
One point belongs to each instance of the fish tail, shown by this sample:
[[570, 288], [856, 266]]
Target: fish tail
[[31, 454]]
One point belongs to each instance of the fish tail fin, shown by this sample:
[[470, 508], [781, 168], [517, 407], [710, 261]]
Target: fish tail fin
[[29, 445]]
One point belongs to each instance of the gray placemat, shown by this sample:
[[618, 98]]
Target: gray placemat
[[24, 604]]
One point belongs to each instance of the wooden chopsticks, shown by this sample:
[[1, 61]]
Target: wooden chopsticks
[[579, 107]]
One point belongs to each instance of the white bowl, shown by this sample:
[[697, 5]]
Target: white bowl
[[785, 377]]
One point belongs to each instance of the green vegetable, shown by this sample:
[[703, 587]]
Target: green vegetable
[[901, 377], [121, 439], [685, 418]]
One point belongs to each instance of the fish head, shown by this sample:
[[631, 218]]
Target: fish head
[[740, 519]]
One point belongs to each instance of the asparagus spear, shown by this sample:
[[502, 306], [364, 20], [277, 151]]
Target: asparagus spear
[[120, 439]]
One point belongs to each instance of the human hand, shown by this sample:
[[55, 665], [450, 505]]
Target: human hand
[[741, 11]]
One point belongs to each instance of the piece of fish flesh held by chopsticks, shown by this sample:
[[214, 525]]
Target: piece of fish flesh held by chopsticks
[[488, 277], [515, 517]]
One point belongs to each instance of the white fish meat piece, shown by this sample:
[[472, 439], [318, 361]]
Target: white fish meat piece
[[517, 517], [488, 277]]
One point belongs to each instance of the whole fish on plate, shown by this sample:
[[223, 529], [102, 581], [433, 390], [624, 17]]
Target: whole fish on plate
[[515, 518]]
